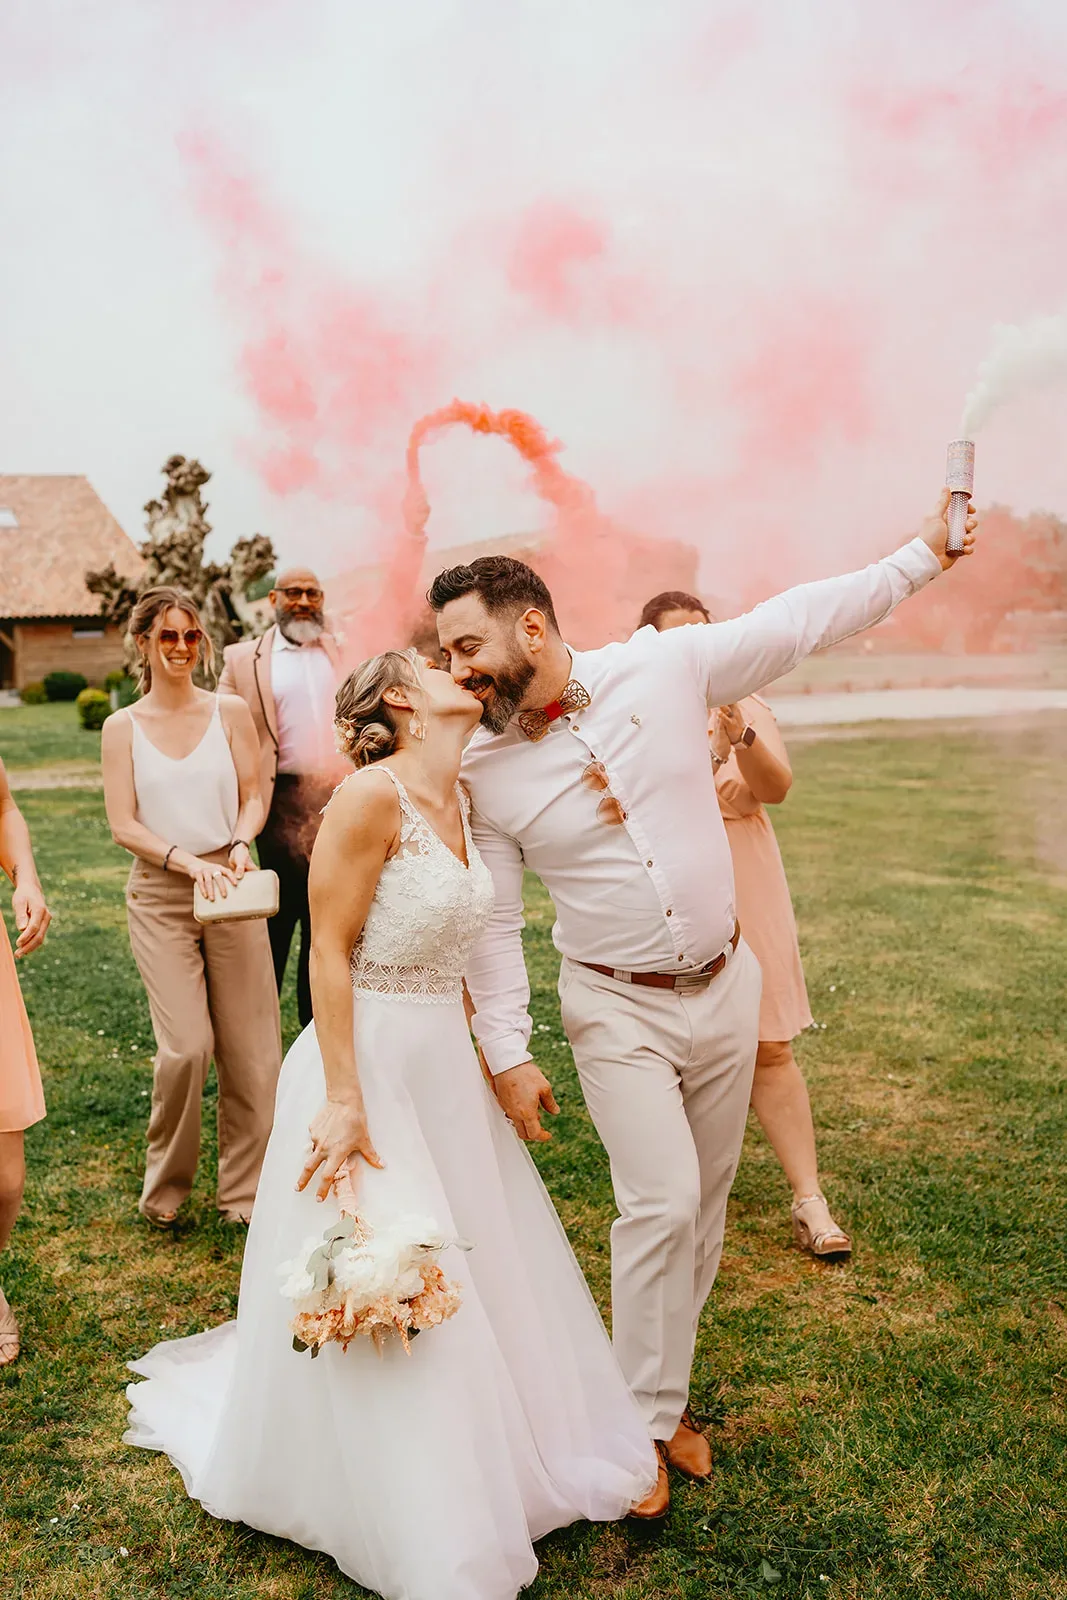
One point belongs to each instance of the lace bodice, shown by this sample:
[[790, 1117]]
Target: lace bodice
[[427, 911]]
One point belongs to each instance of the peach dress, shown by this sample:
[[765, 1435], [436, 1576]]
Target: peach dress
[[21, 1095], [764, 908]]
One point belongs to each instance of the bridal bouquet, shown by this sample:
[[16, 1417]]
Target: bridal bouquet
[[377, 1282]]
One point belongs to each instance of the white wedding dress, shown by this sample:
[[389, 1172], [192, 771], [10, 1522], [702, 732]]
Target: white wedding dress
[[425, 1476]]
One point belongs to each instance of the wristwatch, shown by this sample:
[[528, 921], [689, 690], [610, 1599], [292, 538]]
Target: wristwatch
[[748, 736]]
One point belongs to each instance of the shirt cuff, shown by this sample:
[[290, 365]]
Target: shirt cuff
[[918, 563], [510, 1050]]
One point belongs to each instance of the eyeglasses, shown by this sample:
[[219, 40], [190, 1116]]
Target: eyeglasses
[[192, 636], [298, 591]]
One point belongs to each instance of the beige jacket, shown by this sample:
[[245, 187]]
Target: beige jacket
[[246, 671]]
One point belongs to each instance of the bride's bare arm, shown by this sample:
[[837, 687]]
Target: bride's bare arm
[[359, 832]]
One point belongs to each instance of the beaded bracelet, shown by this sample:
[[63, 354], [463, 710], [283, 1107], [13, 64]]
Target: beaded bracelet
[[168, 855]]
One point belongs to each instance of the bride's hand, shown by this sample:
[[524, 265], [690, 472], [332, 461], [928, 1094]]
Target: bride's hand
[[338, 1132]]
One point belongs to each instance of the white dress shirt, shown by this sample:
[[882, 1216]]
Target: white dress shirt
[[302, 683], [655, 892]]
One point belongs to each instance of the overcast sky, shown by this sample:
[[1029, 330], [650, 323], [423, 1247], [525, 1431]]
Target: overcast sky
[[742, 259]]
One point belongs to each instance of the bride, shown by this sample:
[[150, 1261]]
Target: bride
[[426, 1476]]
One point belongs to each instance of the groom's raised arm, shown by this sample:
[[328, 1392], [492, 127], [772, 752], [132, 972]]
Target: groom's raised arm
[[737, 658], [496, 971]]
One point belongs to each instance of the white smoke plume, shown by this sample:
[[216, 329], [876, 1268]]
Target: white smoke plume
[[1022, 356]]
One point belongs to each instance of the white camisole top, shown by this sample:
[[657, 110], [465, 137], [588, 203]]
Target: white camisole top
[[191, 803]]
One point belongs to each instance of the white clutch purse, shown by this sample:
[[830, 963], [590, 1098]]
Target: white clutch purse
[[255, 896]]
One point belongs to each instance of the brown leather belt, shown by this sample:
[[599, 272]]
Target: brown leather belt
[[670, 980]]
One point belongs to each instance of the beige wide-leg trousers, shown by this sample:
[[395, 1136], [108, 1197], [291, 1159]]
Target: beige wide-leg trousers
[[667, 1075], [211, 992]]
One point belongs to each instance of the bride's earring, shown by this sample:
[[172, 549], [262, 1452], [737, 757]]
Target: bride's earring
[[417, 728]]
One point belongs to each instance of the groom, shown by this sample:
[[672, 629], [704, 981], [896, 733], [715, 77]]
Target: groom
[[591, 768]]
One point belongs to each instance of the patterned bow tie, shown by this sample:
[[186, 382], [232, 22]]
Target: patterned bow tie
[[535, 724]]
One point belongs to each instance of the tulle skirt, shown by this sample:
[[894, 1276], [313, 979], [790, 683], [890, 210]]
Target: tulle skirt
[[425, 1476]]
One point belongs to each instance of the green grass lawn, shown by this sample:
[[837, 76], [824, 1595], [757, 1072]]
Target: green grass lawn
[[49, 736], [895, 1428]]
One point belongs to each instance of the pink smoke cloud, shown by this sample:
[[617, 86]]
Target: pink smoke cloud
[[793, 321]]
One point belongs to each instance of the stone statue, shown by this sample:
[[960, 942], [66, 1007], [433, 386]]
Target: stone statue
[[174, 553]]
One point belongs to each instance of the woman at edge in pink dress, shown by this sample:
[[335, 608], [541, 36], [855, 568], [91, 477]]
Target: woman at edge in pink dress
[[21, 1096], [752, 771]]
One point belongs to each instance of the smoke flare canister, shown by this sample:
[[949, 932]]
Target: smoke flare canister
[[959, 478]]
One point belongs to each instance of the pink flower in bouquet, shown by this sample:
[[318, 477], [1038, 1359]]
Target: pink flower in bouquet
[[358, 1280]]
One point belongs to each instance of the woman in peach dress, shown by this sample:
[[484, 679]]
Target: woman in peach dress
[[752, 771], [21, 1097]]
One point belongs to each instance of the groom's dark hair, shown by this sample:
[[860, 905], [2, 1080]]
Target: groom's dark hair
[[505, 587]]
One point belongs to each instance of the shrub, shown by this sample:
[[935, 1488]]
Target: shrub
[[64, 685], [94, 708], [121, 688], [33, 694]]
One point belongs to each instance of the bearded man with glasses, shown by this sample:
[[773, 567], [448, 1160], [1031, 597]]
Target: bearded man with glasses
[[288, 678]]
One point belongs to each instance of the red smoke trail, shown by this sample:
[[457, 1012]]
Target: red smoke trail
[[568, 494], [599, 572], [580, 559]]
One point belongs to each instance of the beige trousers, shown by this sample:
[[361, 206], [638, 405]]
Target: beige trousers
[[667, 1075], [211, 992]]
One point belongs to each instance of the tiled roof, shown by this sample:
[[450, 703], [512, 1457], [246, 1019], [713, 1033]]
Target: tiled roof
[[63, 529]]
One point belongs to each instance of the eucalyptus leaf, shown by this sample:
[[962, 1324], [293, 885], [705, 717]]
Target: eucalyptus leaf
[[315, 1348], [344, 1228], [298, 1345]]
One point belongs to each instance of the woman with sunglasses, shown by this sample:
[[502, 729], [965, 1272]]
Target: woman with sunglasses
[[182, 790]]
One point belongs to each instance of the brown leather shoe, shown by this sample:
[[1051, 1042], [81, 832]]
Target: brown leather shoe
[[656, 1504], [689, 1452]]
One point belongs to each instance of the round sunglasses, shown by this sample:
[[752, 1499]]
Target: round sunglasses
[[192, 636]]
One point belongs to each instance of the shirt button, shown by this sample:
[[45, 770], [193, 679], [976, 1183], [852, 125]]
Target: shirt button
[[670, 913], [681, 958], [648, 863], [133, 894]]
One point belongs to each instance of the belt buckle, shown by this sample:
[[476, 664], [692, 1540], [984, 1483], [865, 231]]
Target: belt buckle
[[703, 975], [695, 980]]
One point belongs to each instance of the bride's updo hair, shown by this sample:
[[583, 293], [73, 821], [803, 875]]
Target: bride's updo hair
[[365, 725]]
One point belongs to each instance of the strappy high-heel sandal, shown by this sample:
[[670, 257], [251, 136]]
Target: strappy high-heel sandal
[[10, 1344], [164, 1220], [826, 1241]]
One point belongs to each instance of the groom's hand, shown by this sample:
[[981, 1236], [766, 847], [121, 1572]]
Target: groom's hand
[[524, 1092], [935, 531]]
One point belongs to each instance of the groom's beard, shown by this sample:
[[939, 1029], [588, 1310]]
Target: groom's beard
[[502, 694]]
